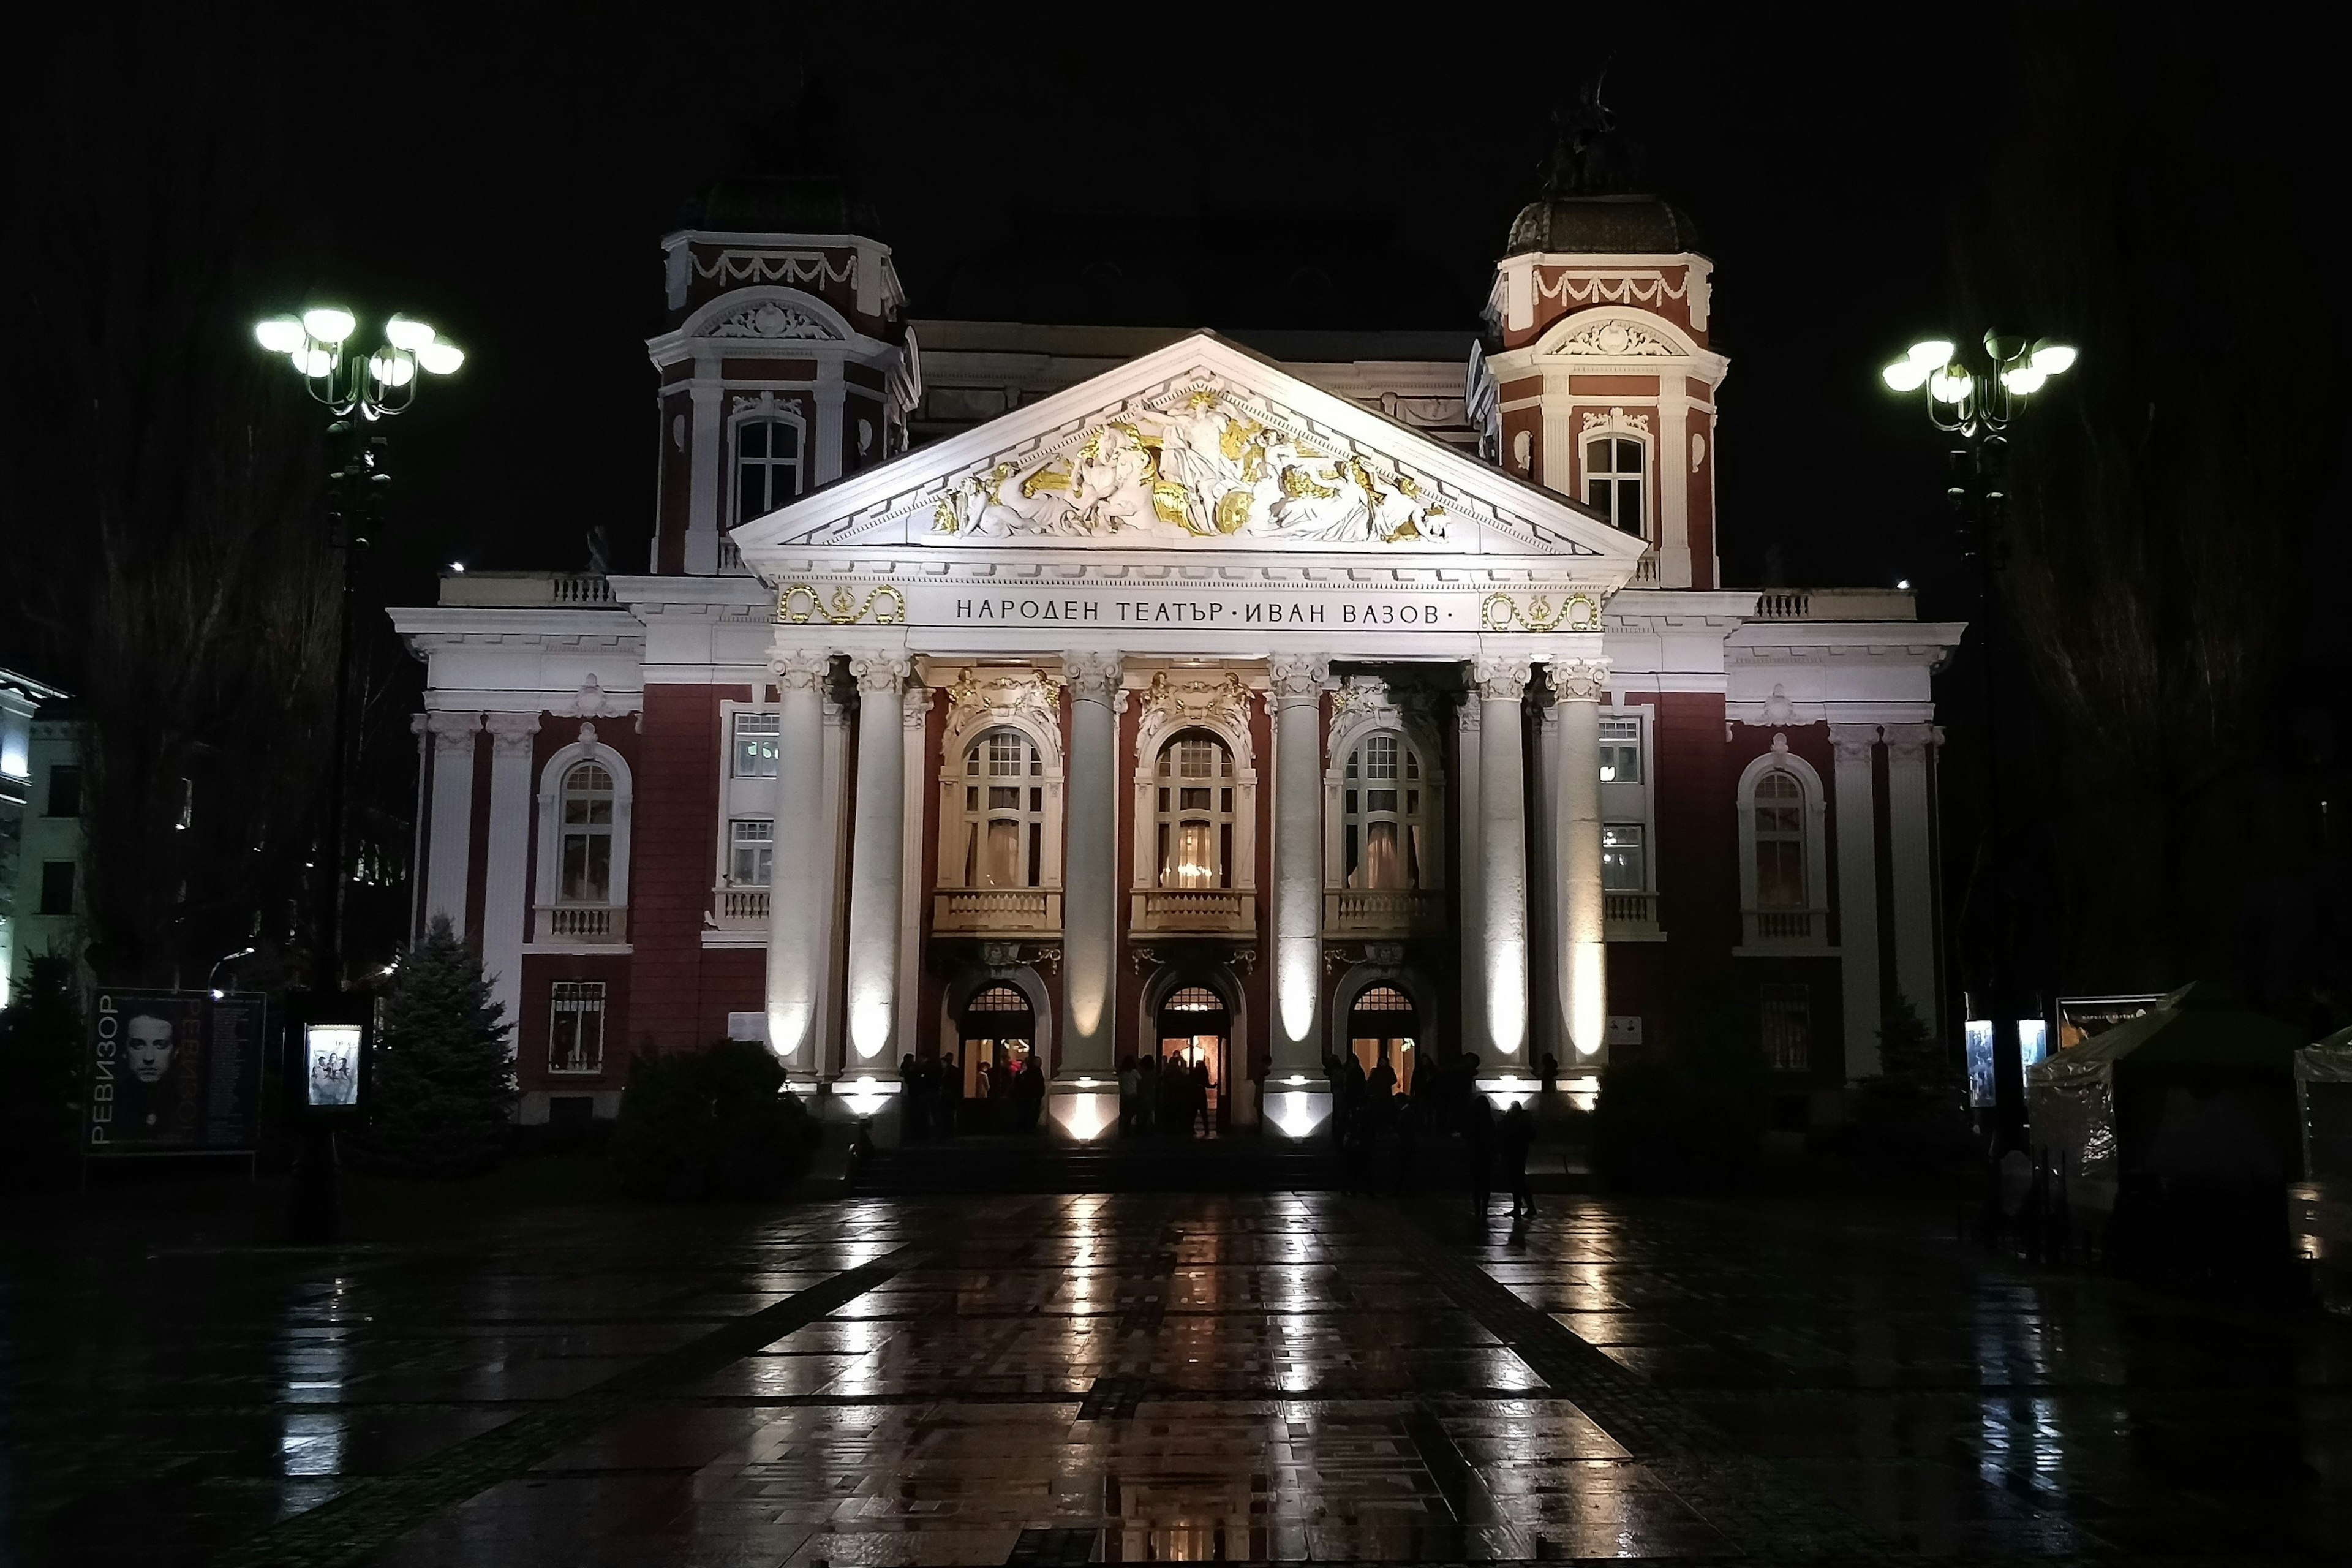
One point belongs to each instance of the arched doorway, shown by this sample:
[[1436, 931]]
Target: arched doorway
[[1384, 1026], [1193, 1028], [998, 1029]]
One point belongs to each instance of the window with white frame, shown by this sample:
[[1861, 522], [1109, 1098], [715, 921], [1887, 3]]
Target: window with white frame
[[750, 851], [1383, 841], [1779, 841], [575, 1026], [757, 736], [1614, 471], [1624, 857], [767, 467], [586, 845], [1621, 750], [1003, 810], [1195, 802]]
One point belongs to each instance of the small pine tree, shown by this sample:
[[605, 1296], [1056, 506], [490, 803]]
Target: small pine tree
[[1908, 1051], [41, 1050], [443, 1085]]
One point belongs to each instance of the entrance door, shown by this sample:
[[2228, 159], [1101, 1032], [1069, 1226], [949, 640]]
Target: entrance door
[[998, 1030], [1193, 1028], [1383, 1026]]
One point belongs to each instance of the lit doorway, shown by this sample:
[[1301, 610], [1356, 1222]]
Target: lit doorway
[[1383, 1026], [1000, 1031], [1193, 1028]]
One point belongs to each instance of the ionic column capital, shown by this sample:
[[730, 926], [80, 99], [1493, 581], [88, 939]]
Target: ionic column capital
[[1502, 678], [1298, 679], [881, 673], [1578, 680], [1093, 676], [510, 734], [799, 668]]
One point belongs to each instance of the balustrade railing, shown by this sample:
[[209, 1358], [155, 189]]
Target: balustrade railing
[[1785, 928], [739, 907], [1629, 916], [1194, 910], [1024, 909], [582, 922], [1380, 912]]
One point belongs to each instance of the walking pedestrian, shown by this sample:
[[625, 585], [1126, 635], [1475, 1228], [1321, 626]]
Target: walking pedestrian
[[951, 1097], [1512, 1138], [1479, 1142], [1201, 1098]]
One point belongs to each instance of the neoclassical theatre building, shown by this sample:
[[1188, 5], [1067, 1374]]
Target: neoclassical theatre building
[[995, 691]]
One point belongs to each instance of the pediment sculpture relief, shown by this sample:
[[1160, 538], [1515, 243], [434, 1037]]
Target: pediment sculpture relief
[[1205, 468]]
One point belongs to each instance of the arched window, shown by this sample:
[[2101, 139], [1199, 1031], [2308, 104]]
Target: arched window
[[1003, 810], [1195, 799], [1613, 468], [587, 836], [767, 467], [1780, 839], [1383, 843]]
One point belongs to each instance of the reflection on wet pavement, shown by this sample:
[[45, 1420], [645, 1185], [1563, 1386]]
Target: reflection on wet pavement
[[1145, 1378]]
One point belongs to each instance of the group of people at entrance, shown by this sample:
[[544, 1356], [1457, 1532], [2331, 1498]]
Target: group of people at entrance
[[1167, 1095], [1374, 1125], [941, 1097]]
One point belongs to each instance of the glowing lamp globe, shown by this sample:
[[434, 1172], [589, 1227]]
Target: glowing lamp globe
[[328, 323], [2053, 358], [1932, 353], [1907, 374], [280, 334], [441, 357], [405, 333]]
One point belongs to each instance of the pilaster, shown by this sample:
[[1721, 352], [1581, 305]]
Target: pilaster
[[453, 736], [506, 904], [1911, 857]]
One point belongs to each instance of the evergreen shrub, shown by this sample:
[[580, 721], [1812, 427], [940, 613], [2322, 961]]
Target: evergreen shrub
[[712, 1123], [41, 1050]]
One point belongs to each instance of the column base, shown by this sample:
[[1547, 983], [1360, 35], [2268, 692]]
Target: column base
[[1082, 1109], [1293, 1112]]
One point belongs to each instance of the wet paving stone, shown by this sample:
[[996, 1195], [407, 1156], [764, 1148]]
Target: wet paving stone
[[1146, 1377]]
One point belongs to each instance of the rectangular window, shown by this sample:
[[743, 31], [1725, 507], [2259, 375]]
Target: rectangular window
[[1787, 1012], [1621, 750], [756, 738], [57, 887], [576, 1033], [750, 851], [1625, 868], [65, 791]]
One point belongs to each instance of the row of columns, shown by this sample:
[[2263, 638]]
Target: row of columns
[[1496, 953], [1910, 880]]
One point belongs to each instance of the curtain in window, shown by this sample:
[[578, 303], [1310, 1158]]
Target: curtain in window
[[1381, 869], [1001, 865], [1194, 863]]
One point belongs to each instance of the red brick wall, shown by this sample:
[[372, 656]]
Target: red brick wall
[[672, 828]]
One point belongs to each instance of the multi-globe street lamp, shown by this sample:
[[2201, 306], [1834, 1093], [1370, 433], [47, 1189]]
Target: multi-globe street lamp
[[1977, 407], [358, 391]]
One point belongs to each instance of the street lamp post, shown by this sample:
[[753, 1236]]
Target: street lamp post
[[1976, 408], [357, 391]]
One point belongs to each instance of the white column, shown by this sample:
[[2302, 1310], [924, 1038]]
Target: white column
[[914, 710], [831, 392], [1468, 801], [706, 455], [831, 1046], [1502, 803], [1299, 1095], [453, 815], [1084, 1089], [876, 834], [1857, 884], [1578, 685], [506, 871], [1546, 908], [1911, 857], [800, 887]]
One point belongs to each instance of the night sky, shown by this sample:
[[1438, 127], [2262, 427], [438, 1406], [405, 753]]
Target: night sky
[[1320, 179]]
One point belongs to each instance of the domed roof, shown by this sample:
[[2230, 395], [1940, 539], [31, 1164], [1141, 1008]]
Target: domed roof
[[779, 204], [1615, 224]]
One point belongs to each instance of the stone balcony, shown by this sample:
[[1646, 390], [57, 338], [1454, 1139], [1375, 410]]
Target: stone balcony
[[584, 923], [1784, 930], [1630, 917], [738, 909], [1381, 911], [997, 911], [1193, 912]]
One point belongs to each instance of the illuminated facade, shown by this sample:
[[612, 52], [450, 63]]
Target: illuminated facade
[[1083, 692]]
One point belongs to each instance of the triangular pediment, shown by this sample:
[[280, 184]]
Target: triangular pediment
[[1200, 448]]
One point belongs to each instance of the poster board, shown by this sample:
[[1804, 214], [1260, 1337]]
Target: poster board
[[173, 1072]]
